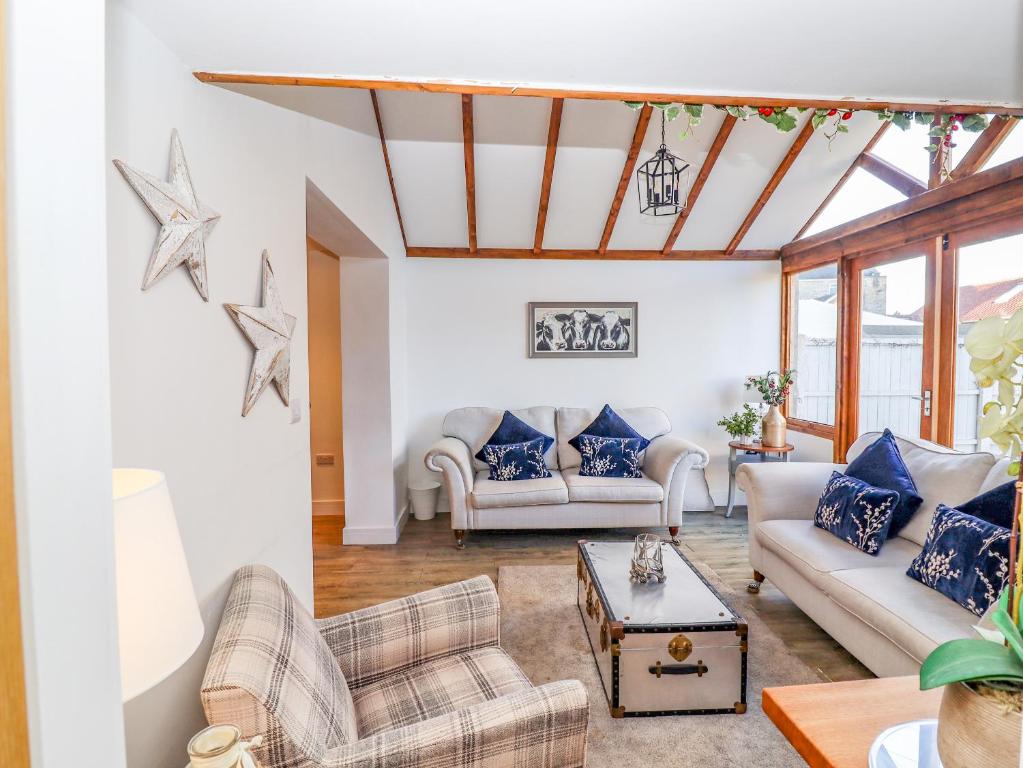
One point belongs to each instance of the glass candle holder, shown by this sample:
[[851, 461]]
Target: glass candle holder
[[221, 746], [647, 563]]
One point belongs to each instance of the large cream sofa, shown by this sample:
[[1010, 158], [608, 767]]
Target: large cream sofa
[[565, 499], [887, 620]]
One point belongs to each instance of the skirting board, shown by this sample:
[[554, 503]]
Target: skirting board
[[380, 534]]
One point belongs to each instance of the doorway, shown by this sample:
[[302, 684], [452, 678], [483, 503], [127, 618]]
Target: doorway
[[325, 413]]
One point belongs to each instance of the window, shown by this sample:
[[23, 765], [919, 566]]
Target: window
[[891, 346], [813, 324], [907, 150], [861, 194], [990, 284], [1010, 148]]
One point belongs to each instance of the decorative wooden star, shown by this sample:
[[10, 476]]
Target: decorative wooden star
[[269, 329], [184, 221]]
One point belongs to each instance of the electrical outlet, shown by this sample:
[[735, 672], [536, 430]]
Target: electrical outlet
[[325, 459]]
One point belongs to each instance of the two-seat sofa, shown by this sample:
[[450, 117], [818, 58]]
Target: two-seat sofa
[[887, 620], [565, 499]]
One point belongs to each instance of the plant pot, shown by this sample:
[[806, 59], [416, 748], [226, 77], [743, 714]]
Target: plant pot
[[975, 730], [773, 429]]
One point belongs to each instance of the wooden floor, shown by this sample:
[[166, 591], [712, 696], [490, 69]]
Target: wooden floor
[[346, 578]]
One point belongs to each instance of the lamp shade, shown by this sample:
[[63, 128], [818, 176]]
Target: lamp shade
[[159, 625]]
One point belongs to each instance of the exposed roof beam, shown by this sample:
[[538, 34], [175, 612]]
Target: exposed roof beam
[[842, 180], [470, 169], [387, 165], [525, 89], [891, 175], [701, 179], [772, 184], [623, 183], [548, 172], [984, 146], [568, 254]]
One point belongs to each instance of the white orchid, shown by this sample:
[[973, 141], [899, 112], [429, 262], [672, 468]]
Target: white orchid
[[995, 346]]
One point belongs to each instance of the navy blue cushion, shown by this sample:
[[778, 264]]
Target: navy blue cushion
[[609, 424], [516, 461], [511, 430], [964, 558], [609, 456], [997, 506], [856, 512], [881, 466]]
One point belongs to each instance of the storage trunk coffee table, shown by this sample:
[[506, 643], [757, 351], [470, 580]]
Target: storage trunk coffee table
[[672, 648]]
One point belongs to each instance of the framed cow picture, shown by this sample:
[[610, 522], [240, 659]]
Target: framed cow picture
[[583, 329]]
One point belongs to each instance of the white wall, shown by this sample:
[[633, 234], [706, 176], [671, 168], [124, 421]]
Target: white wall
[[241, 486], [703, 327], [61, 410]]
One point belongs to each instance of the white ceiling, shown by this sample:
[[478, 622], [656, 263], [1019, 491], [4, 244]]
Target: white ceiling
[[883, 49]]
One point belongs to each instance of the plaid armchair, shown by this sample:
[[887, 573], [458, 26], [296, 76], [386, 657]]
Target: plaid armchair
[[416, 682]]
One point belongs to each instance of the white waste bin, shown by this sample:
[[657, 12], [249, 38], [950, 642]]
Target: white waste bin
[[424, 495]]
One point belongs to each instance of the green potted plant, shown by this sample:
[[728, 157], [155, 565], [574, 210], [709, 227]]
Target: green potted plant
[[742, 424], [774, 387], [980, 721]]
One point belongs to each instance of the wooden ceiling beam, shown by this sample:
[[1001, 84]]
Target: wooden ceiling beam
[[418, 252], [470, 169], [387, 165], [783, 167], [891, 175], [701, 178], [525, 89], [842, 180], [984, 147], [548, 172], [623, 183]]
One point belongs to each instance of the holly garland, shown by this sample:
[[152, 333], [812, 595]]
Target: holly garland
[[833, 121]]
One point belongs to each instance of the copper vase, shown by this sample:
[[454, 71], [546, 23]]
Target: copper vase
[[773, 429]]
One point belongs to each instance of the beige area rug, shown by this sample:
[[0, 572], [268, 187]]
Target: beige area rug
[[542, 630]]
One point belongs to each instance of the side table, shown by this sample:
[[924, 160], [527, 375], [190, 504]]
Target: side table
[[752, 452]]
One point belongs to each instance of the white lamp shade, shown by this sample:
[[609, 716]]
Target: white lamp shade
[[159, 625]]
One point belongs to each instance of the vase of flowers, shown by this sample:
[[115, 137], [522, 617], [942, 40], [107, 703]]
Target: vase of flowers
[[741, 425], [774, 388], [980, 721]]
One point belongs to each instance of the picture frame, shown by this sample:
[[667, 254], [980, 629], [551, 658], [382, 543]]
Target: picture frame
[[582, 329]]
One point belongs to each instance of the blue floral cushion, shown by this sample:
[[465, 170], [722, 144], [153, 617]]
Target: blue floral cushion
[[856, 512], [512, 430], [609, 424], [609, 456], [964, 558], [881, 466], [997, 506], [516, 461]]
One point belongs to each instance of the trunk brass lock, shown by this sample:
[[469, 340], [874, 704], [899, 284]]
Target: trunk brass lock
[[680, 647], [605, 639]]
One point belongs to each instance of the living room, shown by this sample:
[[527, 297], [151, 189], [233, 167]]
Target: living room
[[733, 266]]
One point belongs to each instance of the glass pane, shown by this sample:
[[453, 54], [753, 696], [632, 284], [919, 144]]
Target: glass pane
[[861, 194], [891, 346], [813, 323], [1010, 148], [906, 149], [990, 284]]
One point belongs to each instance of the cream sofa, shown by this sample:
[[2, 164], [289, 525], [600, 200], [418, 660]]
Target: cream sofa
[[884, 618], [565, 499]]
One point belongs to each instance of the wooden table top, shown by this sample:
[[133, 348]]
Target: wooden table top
[[758, 448], [832, 725]]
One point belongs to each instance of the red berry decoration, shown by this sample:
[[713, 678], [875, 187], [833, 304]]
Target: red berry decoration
[[766, 111], [955, 126], [832, 112], [846, 115]]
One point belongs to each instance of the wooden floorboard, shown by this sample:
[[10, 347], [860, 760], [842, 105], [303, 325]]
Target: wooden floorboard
[[347, 578]]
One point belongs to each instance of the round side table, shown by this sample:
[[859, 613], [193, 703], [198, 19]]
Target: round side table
[[752, 452]]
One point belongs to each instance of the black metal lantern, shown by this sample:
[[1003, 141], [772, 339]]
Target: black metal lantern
[[662, 182]]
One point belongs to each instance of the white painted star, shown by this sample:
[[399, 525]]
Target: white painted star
[[269, 329], [184, 221]]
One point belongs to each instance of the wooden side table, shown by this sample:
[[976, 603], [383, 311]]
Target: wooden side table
[[833, 725], [752, 452]]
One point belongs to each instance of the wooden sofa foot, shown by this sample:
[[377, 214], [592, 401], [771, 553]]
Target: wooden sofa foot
[[673, 532], [754, 586], [459, 538]]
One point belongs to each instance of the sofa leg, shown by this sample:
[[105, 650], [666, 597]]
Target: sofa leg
[[673, 532], [459, 538], [754, 586]]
